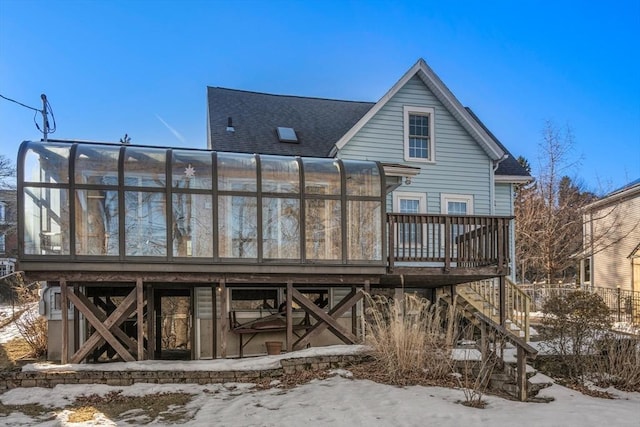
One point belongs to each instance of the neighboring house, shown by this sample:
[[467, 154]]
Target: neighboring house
[[411, 192], [612, 241], [8, 229]]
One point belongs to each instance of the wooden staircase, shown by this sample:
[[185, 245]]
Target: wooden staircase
[[484, 297], [480, 302]]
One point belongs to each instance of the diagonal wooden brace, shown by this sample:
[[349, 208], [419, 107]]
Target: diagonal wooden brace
[[327, 320], [128, 341], [103, 329]]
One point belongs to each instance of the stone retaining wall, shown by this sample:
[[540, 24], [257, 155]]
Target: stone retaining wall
[[50, 379]]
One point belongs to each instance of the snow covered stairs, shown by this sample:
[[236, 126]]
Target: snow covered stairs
[[505, 380], [480, 302]]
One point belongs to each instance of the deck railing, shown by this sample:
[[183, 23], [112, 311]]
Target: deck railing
[[448, 240], [517, 303]]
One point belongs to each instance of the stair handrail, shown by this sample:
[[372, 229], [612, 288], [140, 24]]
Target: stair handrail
[[518, 303], [519, 307], [524, 351]]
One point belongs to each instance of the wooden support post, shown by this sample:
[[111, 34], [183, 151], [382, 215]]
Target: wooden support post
[[191, 320], [140, 317], [151, 337], [365, 306], [224, 318], [76, 323], [289, 316], [157, 303], [484, 342], [354, 316], [65, 321], [214, 322], [522, 375]]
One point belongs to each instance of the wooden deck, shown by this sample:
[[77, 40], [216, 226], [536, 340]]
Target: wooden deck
[[422, 250]]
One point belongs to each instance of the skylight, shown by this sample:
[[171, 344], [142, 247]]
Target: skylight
[[287, 135]]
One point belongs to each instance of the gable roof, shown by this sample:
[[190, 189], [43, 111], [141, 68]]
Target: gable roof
[[626, 192], [324, 126], [318, 122], [445, 96]]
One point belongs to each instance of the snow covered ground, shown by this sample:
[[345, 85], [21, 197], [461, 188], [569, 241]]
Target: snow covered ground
[[340, 401], [336, 401]]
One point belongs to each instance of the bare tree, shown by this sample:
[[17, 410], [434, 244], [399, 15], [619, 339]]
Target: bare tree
[[549, 222], [7, 173], [8, 204]]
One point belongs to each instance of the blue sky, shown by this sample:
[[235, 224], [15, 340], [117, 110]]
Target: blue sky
[[142, 67]]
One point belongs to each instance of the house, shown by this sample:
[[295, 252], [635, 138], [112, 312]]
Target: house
[[439, 158], [297, 207], [612, 241]]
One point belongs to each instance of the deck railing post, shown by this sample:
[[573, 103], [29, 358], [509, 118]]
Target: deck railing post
[[392, 249], [447, 243], [527, 309]]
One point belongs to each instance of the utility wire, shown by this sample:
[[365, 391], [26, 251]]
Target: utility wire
[[20, 103], [46, 110]]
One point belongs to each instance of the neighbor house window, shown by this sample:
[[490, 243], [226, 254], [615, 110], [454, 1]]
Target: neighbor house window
[[3, 211], [418, 134], [586, 271], [2, 247]]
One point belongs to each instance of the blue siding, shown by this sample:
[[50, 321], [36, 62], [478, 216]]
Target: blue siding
[[504, 202], [461, 166]]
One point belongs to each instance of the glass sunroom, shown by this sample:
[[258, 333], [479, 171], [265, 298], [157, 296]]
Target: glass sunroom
[[104, 203]]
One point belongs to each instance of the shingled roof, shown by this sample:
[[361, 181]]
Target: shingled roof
[[318, 122], [509, 166]]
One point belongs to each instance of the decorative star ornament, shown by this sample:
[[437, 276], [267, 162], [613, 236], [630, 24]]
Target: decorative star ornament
[[189, 172]]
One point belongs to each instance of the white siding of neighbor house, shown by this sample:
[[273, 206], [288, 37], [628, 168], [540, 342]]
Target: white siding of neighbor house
[[611, 266], [461, 166]]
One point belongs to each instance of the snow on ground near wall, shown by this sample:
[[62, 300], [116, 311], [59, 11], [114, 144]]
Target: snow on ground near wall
[[251, 363], [341, 401]]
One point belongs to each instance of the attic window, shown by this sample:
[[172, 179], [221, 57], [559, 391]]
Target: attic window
[[287, 135]]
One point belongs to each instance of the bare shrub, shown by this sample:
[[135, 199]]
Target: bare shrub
[[573, 324], [33, 329], [619, 363], [32, 326], [472, 371], [407, 337]]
